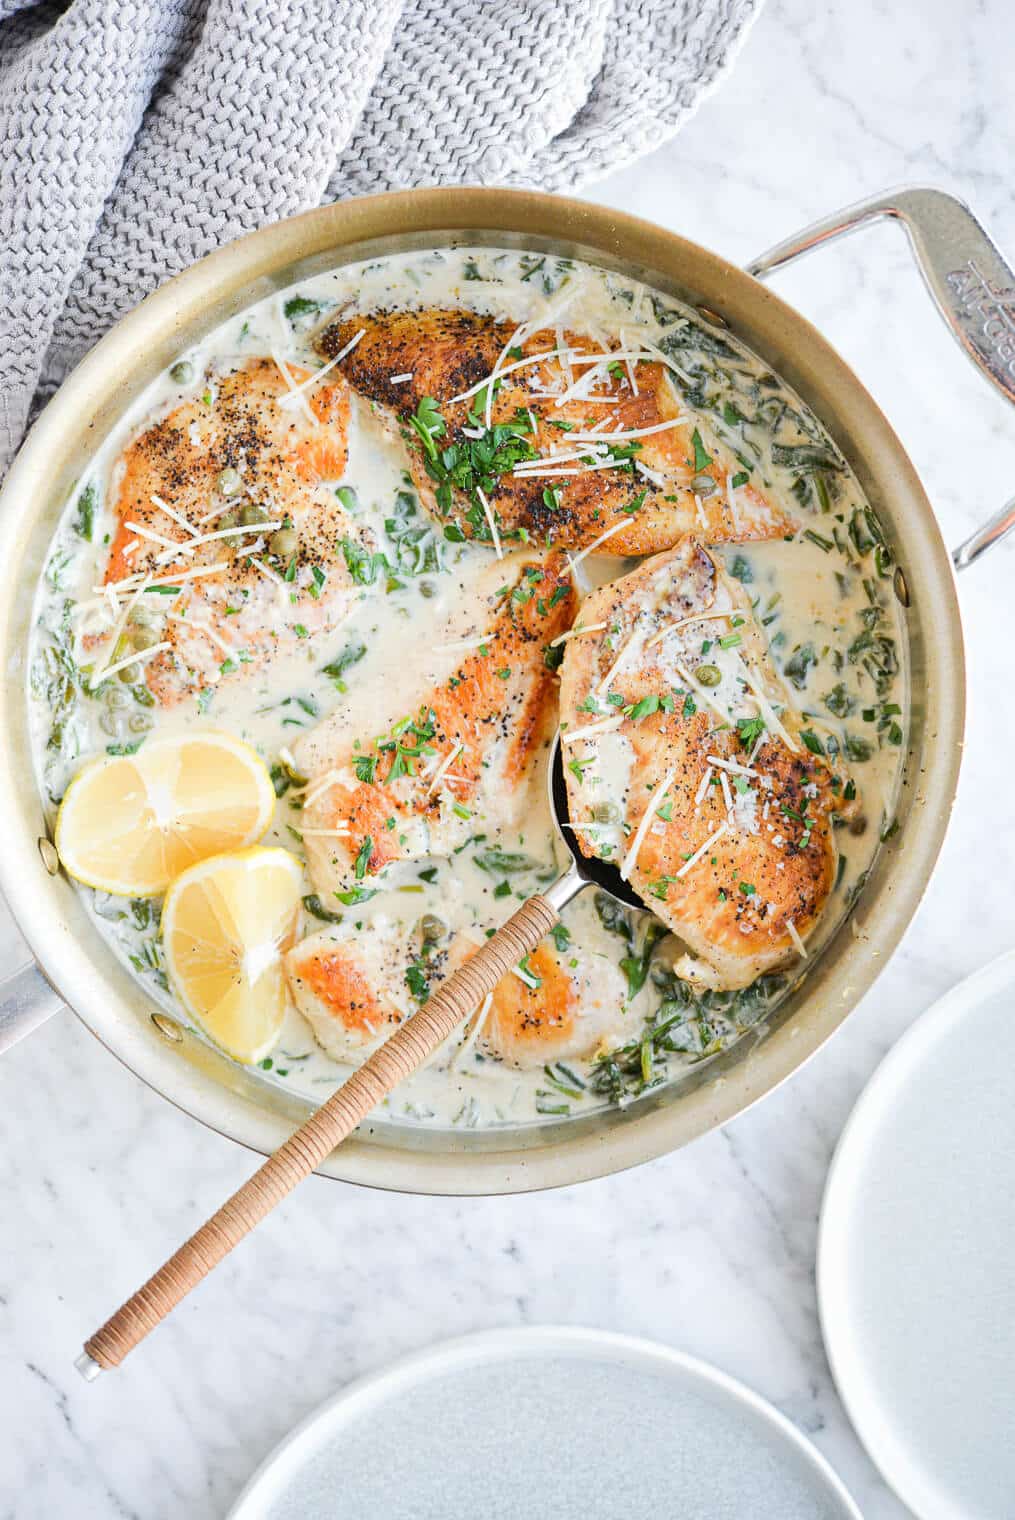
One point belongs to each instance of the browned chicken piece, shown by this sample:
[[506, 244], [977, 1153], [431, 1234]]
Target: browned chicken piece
[[354, 993], [461, 758], [225, 497], [565, 1006], [586, 444], [351, 988], [686, 768]]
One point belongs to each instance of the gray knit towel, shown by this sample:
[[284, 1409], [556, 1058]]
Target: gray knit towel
[[137, 135]]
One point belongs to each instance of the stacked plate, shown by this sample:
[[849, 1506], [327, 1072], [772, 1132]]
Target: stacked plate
[[546, 1422], [916, 1258]]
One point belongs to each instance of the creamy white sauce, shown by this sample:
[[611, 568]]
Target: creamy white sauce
[[812, 597]]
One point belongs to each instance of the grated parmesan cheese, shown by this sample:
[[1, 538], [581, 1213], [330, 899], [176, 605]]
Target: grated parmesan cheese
[[630, 859], [492, 521], [712, 839], [791, 930]]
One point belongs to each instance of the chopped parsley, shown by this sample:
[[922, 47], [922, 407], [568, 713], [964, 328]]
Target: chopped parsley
[[417, 983], [470, 465], [561, 936], [366, 849], [87, 503], [363, 566], [302, 310], [749, 731], [356, 895], [702, 458], [407, 742]]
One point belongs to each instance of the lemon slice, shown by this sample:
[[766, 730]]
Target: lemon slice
[[129, 825], [225, 925]]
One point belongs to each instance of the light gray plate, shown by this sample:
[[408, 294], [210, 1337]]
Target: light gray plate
[[545, 1422], [916, 1257]]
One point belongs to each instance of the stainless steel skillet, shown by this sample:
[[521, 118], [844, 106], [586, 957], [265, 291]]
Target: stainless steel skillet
[[976, 292]]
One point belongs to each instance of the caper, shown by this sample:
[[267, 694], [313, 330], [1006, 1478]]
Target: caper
[[284, 542], [606, 812], [431, 929], [144, 638], [858, 825], [703, 485], [182, 373], [709, 675], [129, 674], [250, 514], [427, 589], [141, 617], [114, 698], [139, 723], [229, 519], [228, 481]]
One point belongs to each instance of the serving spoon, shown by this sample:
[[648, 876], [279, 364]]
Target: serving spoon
[[400, 1055]]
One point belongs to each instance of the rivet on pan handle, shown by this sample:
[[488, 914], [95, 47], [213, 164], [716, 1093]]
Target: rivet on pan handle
[[971, 281]]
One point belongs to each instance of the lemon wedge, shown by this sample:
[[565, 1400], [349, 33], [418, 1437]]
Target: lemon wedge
[[226, 923], [130, 824]]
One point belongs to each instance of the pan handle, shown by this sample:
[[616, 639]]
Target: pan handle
[[26, 1001], [971, 281]]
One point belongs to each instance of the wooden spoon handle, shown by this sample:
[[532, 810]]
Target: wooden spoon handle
[[396, 1059]]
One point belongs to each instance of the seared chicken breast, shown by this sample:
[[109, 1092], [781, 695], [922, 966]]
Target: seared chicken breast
[[355, 991], [574, 444], [460, 755], [562, 1005], [351, 989], [226, 498], [685, 765]]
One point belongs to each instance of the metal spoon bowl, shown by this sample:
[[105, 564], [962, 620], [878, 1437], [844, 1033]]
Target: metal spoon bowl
[[583, 870]]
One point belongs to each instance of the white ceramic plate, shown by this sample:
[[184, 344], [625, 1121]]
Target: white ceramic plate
[[545, 1422], [916, 1257]]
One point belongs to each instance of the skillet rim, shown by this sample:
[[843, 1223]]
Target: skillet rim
[[47, 910]]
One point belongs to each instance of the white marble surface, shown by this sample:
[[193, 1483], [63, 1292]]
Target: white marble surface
[[712, 1249]]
